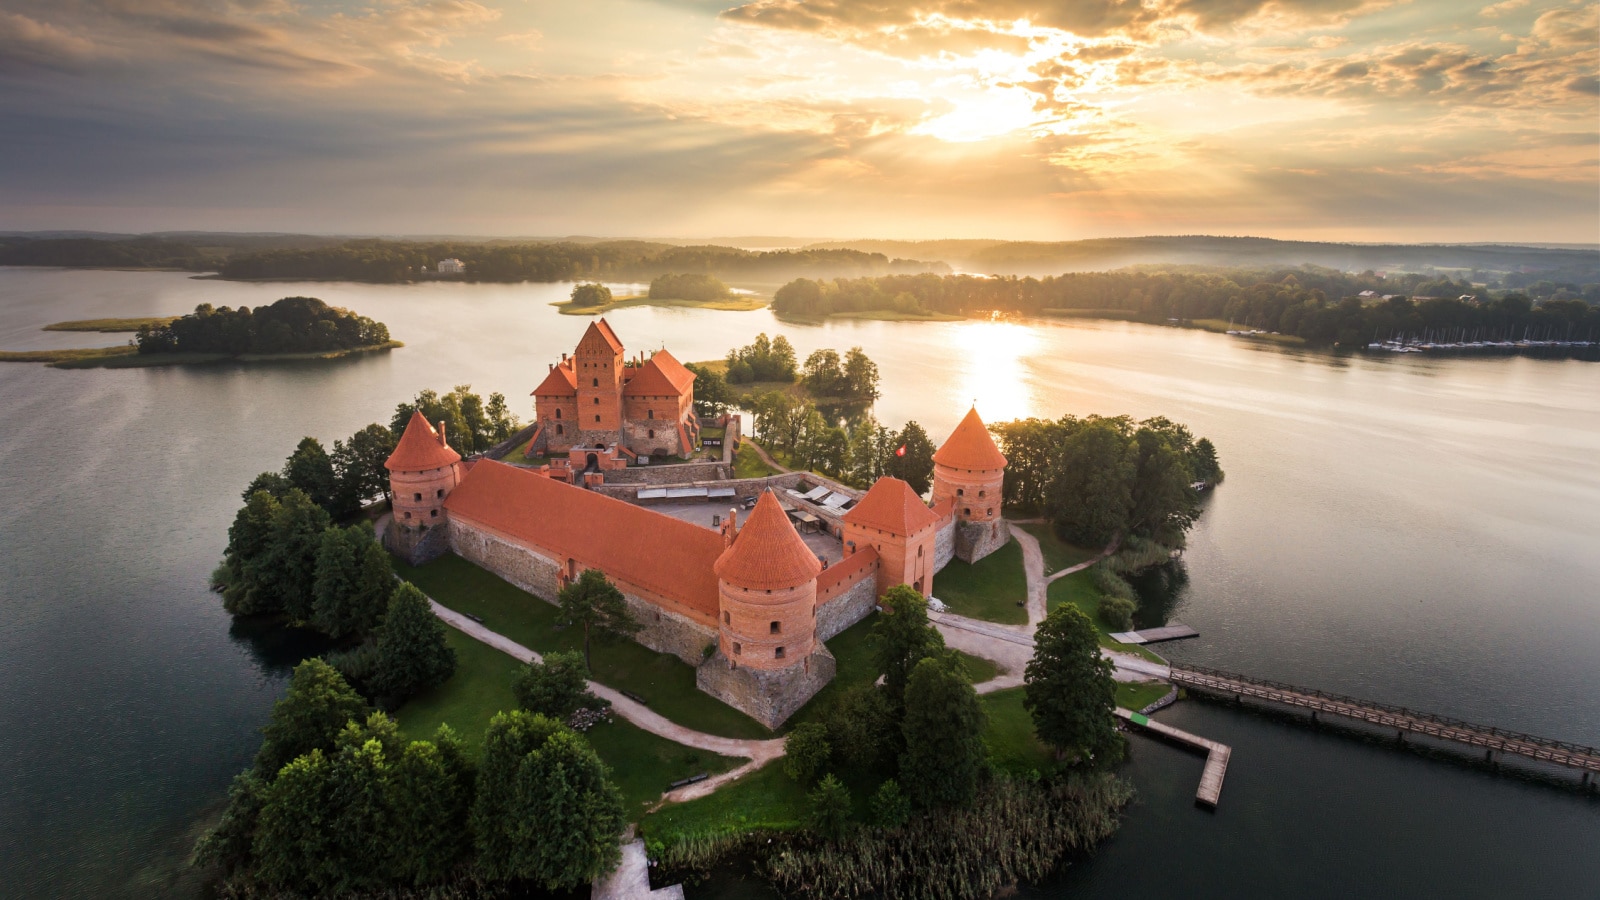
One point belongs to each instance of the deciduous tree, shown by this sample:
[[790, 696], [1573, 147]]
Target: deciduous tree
[[594, 604], [413, 654], [806, 751], [1069, 687], [556, 687], [314, 709], [901, 638], [943, 728]]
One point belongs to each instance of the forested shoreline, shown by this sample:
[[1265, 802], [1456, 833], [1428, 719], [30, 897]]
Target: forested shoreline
[[290, 325], [1321, 306]]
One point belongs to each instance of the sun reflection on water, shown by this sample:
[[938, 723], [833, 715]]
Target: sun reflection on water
[[991, 369]]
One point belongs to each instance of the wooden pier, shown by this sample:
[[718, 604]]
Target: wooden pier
[[1404, 721], [1210, 790], [1171, 632]]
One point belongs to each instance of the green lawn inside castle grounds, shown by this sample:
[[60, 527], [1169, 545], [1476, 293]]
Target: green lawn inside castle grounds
[[643, 765], [994, 588], [1058, 554], [1078, 589]]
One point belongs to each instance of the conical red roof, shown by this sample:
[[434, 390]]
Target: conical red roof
[[891, 505], [970, 446], [768, 554], [420, 448]]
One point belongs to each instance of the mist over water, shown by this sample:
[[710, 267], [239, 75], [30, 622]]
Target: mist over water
[[1413, 530]]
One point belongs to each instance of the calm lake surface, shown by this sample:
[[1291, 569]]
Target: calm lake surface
[[1417, 531]]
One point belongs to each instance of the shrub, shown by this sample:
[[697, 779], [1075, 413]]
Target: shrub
[[829, 813], [890, 806], [1117, 612], [806, 752], [556, 687]]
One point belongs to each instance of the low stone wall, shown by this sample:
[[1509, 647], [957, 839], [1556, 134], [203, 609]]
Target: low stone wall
[[944, 545], [846, 593], [768, 696], [975, 540], [417, 545], [664, 631], [674, 474]]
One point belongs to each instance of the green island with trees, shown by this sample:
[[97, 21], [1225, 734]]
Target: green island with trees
[[291, 328], [1305, 304]]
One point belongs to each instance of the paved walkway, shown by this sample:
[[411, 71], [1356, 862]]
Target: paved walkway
[[631, 879]]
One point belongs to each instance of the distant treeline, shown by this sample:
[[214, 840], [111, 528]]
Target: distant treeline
[[291, 325], [137, 253], [394, 261], [693, 286], [1323, 306]]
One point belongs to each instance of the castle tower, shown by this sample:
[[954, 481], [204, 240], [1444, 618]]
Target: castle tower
[[768, 662], [969, 471], [892, 519], [597, 368], [423, 470]]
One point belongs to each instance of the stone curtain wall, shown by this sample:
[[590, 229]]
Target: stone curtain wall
[[664, 631], [846, 593], [770, 696], [676, 474], [743, 488], [975, 540], [944, 548], [418, 545]]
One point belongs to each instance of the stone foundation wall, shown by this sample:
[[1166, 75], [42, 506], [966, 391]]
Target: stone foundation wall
[[674, 474], [944, 545], [851, 601], [769, 696], [665, 631], [743, 488], [975, 540], [418, 545]]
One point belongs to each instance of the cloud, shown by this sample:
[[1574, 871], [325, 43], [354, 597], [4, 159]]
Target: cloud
[[1500, 9], [29, 44]]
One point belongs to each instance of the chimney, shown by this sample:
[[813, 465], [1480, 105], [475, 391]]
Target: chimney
[[552, 367], [442, 441], [730, 527]]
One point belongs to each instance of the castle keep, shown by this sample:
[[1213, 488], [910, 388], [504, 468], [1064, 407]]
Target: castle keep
[[749, 603]]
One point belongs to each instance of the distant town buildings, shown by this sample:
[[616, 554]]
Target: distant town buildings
[[452, 266]]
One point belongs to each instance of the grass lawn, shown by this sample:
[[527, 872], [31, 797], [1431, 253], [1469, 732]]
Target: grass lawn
[[747, 464], [108, 326], [1058, 554], [1079, 590], [643, 765], [663, 680], [1138, 695], [990, 589], [1010, 738], [764, 799], [733, 303], [515, 455]]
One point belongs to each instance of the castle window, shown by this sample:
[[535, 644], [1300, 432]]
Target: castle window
[[961, 492], [417, 496], [778, 653], [650, 414], [558, 412], [596, 384], [727, 619], [738, 649], [597, 417], [439, 493], [919, 553], [408, 515], [991, 511], [434, 514], [561, 429], [980, 493], [775, 627], [966, 511], [652, 432], [597, 401]]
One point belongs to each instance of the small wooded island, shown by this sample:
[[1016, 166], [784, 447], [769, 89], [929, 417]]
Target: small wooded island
[[291, 328]]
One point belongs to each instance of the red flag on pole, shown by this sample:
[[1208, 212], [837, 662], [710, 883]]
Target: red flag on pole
[[900, 451]]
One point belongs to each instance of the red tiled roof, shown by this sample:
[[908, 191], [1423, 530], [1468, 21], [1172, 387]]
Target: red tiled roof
[[561, 382], [661, 376], [970, 446], [420, 448], [661, 554], [602, 331], [768, 554], [891, 505]]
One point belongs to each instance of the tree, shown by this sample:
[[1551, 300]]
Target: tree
[[353, 582], [712, 396], [829, 812], [295, 846], [1069, 687], [277, 568], [915, 466], [358, 465], [310, 716], [556, 687], [595, 604], [413, 654], [890, 806], [824, 377], [863, 729], [860, 376], [432, 789], [272, 482], [228, 845], [590, 294], [470, 425], [1203, 460], [248, 539], [545, 808], [943, 728], [901, 638], [1163, 503], [1092, 491], [806, 751], [310, 469]]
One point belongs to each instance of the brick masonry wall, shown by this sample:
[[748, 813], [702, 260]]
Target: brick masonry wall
[[770, 696], [849, 602]]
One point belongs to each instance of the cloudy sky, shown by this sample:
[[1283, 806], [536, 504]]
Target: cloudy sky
[[1426, 120]]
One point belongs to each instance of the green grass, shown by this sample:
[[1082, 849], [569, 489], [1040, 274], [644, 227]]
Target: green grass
[[764, 799], [88, 355], [1010, 738], [1078, 589], [989, 589], [734, 303], [663, 680], [108, 326], [130, 358], [748, 464], [1058, 554], [1222, 326], [643, 765], [1138, 695]]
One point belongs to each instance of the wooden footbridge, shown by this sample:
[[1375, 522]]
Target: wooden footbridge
[[1403, 721]]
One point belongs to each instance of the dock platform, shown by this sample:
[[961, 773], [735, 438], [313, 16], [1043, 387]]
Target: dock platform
[[1153, 635], [1210, 790]]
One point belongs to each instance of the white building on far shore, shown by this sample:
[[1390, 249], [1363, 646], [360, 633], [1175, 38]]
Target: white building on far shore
[[452, 267]]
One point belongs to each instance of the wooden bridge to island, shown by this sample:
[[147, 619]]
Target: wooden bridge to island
[[1404, 721]]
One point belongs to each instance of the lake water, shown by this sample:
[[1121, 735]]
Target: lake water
[[1417, 531]]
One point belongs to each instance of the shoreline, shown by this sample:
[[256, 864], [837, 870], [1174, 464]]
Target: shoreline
[[127, 357]]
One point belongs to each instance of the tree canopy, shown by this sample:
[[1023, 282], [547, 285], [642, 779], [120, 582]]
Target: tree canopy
[[688, 286], [471, 424], [594, 604], [291, 325], [1069, 687]]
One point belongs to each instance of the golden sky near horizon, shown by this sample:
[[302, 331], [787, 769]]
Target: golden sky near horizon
[[1329, 119]]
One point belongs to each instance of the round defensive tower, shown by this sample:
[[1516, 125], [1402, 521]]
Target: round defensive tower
[[767, 592], [423, 470], [970, 471]]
